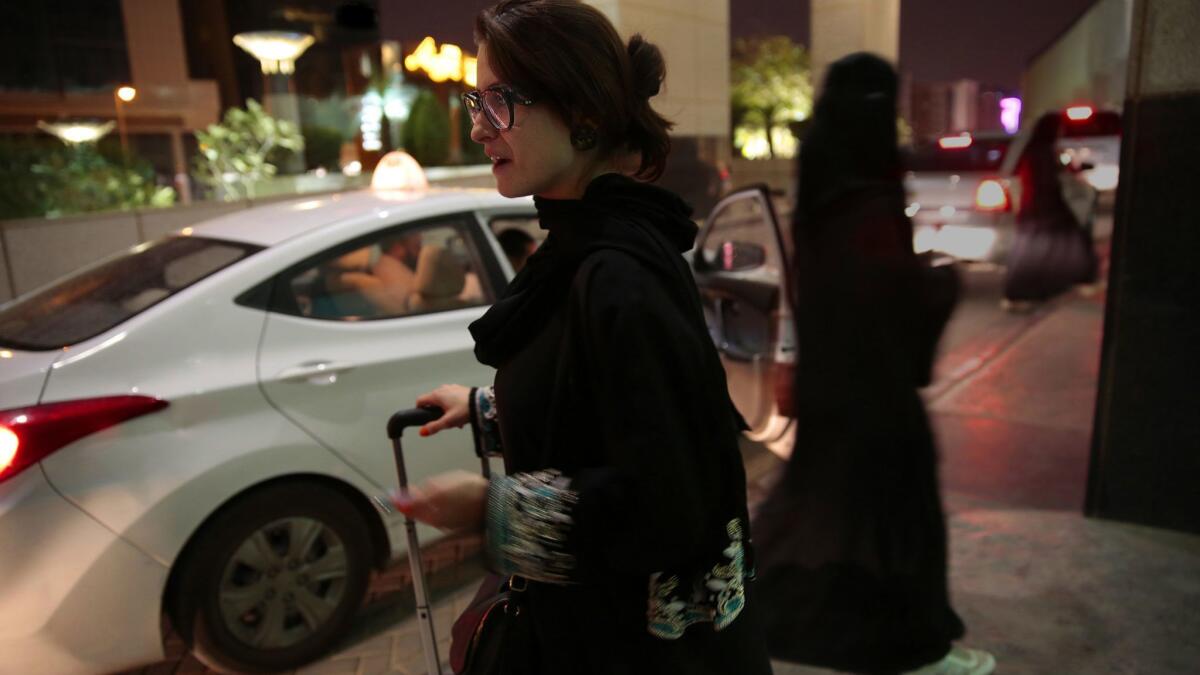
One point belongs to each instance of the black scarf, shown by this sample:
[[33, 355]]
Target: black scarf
[[615, 212]]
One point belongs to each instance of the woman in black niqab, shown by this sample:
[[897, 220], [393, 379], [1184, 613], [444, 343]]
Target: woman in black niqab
[[852, 539], [1051, 250]]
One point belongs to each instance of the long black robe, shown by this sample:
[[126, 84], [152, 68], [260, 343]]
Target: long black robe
[[607, 374], [1052, 250], [851, 542]]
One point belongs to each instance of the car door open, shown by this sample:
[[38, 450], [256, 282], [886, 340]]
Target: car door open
[[740, 264]]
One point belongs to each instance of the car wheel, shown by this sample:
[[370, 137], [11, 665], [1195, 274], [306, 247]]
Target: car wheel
[[273, 580]]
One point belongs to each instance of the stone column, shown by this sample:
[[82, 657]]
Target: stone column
[[1146, 442], [694, 38], [841, 27]]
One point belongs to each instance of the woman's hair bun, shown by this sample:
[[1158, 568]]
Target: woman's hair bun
[[649, 69]]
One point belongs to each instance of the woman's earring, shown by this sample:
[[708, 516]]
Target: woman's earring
[[583, 137]]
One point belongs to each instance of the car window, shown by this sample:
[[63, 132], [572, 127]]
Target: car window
[[98, 298], [415, 269], [528, 224], [981, 155]]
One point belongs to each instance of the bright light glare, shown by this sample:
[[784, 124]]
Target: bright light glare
[[77, 132], [5, 354], [470, 70], [353, 168], [1010, 114], [967, 243], [371, 121], [955, 142], [1079, 113], [397, 170], [912, 209], [8, 447], [126, 93], [990, 196], [1104, 177], [276, 51], [440, 63]]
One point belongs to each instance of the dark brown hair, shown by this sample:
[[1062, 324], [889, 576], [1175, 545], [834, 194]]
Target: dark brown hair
[[567, 55]]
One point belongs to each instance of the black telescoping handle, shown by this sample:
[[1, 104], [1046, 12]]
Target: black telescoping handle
[[412, 417]]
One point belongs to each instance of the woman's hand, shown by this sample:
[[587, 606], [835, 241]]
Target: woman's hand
[[450, 501], [453, 400]]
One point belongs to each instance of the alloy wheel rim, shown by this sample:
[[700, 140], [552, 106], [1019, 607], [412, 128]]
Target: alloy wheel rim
[[283, 583]]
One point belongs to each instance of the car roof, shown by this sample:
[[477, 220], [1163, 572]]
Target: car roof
[[270, 224]]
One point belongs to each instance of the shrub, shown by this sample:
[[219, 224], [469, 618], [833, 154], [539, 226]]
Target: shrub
[[427, 131], [322, 147], [40, 179]]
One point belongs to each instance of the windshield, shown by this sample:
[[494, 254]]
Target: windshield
[[94, 300], [984, 154]]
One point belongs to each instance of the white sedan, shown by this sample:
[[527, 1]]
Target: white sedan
[[196, 426]]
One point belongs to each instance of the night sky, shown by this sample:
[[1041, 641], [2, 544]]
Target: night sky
[[985, 40]]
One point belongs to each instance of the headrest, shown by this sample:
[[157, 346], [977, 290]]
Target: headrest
[[439, 275]]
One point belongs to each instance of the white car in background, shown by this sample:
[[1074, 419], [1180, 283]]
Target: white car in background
[[196, 427], [1090, 143], [963, 189]]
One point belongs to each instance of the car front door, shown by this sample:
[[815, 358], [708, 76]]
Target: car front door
[[361, 329], [740, 264]]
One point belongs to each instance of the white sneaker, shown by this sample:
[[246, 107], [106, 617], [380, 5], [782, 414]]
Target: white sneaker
[[960, 661]]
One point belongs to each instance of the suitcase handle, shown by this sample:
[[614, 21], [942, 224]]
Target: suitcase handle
[[411, 417], [396, 425]]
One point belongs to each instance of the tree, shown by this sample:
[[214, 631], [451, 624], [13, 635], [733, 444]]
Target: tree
[[770, 84], [427, 130], [238, 152]]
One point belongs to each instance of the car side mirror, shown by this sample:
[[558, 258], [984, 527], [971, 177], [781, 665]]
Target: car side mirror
[[733, 256]]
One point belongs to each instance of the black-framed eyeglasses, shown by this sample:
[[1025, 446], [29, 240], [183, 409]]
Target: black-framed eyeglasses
[[496, 103]]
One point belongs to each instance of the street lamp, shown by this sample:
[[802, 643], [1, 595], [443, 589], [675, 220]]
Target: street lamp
[[75, 133], [276, 51], [123, 94]]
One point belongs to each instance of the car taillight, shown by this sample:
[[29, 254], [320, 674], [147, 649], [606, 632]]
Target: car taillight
[[29, 435], [991, 196], [1079, 113], [958, 142]]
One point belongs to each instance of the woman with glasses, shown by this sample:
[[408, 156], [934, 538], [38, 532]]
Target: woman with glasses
[[623, 512]]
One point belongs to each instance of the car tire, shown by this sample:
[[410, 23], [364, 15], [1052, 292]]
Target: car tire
[[273, 580]]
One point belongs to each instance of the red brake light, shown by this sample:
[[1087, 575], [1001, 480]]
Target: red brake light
[[1079, 113], [958, 142], [29, 435], [991, 196]]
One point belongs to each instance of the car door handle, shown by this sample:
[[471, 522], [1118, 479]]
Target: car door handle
[[315, 372]]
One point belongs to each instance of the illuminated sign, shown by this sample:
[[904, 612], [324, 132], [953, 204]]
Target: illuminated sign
[[1010, 114], [441, 64]]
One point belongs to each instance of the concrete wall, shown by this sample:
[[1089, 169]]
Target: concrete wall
[[779, 174], [1146, 445], [1086, 65], [694, 38], [36, 251], [841, 27]]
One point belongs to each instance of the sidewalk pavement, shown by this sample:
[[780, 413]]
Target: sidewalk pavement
[[1040, 586]]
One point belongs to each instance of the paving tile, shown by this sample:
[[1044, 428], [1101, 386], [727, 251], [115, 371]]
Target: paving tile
[[376, 665], [346, 666]]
